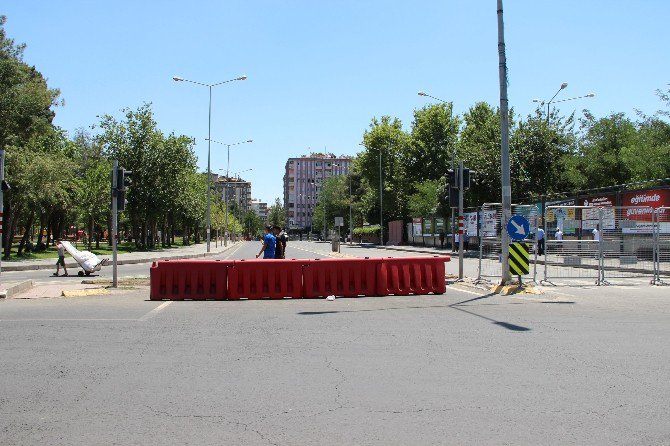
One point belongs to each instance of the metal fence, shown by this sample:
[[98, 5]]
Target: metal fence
[[601, 244], [490, 246]]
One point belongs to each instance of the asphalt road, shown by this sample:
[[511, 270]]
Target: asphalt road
[[462, 368]]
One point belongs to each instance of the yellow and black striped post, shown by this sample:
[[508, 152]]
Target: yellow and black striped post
[[519, 258]]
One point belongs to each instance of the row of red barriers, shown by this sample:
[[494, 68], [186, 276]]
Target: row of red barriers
[[277, 279]]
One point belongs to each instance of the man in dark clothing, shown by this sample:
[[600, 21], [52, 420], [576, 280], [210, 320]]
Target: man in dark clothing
[[282, 239]]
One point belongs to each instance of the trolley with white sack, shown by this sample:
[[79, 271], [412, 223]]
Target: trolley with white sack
[[88, 261]]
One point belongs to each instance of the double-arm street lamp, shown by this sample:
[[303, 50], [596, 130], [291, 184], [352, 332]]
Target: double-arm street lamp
[[551, 101], [209, 135], [225, 189]]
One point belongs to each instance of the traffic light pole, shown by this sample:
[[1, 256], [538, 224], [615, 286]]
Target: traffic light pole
[[115, 222]]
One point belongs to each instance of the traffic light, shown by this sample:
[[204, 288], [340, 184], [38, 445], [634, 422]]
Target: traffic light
[[452, 178], [123, 181]]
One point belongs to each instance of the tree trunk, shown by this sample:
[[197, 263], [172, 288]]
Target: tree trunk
[[97, 239], [26, 233]]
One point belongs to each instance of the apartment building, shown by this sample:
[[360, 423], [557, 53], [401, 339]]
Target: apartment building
[[303, 179], [235, 190], [260, 208]]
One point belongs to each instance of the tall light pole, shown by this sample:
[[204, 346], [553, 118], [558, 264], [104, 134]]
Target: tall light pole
[[504, 146], [351, 234], [209, 135], [225, 189], [550, 101]]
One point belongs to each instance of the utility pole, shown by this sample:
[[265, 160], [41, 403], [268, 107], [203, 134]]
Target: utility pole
[[460, 221], [504, 147], [115, 223]]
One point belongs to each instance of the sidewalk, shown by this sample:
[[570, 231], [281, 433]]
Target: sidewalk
[[188, 252]]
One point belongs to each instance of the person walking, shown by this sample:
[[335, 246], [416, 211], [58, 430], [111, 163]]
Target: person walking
[[61, 258], [282, 240], [269, 244], [540, 241], [441, 239]]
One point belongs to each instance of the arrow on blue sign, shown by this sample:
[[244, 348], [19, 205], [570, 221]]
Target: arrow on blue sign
[[518, 227]]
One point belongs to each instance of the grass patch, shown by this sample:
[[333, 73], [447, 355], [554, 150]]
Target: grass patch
[[104, 251]]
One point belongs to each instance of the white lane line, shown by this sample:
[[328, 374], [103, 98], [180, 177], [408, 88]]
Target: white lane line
[[154, 312], [233, 251], [66, 320], [460, 290]]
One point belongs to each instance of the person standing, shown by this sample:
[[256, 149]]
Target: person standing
[[559, 234], [540, 241], [269, 244], [441, 239], [282, 239], [596, 233], [61, 258]]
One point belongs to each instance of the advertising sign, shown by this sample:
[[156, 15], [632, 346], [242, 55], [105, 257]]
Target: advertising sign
[[564, 217], [439, 225], [590, 217], [417, 224], [470, 222], [654, 198], [489, 223]]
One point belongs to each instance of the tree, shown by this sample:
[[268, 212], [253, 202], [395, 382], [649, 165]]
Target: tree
[[540, 153], [277, 214], [424, 202], [433, 149], [607, 149], [479, 148], [333, 202], [385, 136]]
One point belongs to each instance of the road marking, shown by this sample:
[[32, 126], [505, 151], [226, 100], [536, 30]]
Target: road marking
[[66, 320], [233, 251], [465, 291], [154, 312]]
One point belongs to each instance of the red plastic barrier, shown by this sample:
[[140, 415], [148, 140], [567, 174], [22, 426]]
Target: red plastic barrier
[[412, 275], [256, 279], [189, 279], [340, 277]]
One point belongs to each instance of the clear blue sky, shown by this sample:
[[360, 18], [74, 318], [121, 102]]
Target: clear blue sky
[[319, 71]]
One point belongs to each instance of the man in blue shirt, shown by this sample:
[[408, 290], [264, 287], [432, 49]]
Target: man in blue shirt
[[269, 244]]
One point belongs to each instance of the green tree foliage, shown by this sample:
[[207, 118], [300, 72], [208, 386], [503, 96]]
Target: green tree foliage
[[434, 141], [385, 136], [166, 190], [540, 155], [333, 202], [606, 149], [480, 150], [424, 202], [277, 214]]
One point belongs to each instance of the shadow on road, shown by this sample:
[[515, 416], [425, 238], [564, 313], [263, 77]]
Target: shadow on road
[[455, 306]]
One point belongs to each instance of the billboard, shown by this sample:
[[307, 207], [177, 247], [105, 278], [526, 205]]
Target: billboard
[[653, 198], [590, 217]]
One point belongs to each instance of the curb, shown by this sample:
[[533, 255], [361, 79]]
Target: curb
[[75, 265], [16, 289]]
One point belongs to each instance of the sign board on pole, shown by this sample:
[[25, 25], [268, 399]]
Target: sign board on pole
[[519, 258], [518, 227], [339, 221]]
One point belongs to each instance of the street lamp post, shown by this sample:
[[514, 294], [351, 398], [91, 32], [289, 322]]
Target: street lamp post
[[550, 101], [209, 135], [225, 189]]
